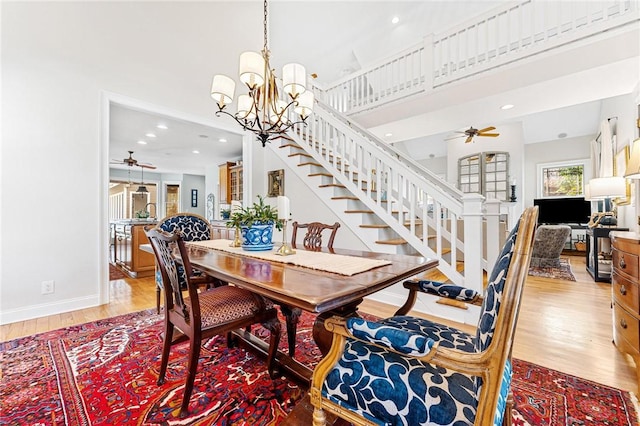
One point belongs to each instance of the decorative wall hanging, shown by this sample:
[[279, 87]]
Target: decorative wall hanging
[[276, 183]]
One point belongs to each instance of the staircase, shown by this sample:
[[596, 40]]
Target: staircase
[[391, 203]]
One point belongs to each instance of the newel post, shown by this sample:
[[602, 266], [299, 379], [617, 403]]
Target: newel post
[[472, 213], [493, 237]]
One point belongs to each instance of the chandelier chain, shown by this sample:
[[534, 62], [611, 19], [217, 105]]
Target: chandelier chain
[[265, 26]]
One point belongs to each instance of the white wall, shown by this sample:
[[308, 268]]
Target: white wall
[[58, 60], [563, 150]]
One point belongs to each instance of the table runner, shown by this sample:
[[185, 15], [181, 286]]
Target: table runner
[[328, 262]]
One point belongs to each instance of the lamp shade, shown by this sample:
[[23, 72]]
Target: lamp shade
[[142, 188], [294, 79], [222, 89], [633, 168], [607, 187], [245, 108], [252, 69], [305, 104]]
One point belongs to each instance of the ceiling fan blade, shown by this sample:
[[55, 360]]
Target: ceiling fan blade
[[454, 137], [469, 139], [491, 135], [486, 129], [146, 166]]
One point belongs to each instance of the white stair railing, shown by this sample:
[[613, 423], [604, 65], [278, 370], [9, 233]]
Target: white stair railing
[[508, 33], [420, 207]]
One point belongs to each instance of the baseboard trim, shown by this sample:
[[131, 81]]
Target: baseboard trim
[[45, 309]]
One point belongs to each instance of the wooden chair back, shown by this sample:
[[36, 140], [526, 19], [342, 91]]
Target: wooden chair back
[[313, 238]]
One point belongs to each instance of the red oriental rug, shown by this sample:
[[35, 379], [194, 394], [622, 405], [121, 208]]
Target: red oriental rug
[[105, 372]]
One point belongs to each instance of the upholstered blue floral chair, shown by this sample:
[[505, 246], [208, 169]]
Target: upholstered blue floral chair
[[411, 371], [193, 227]]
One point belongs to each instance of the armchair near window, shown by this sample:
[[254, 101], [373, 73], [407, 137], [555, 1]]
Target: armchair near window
[[410, 371], [193, 227], [200, 315]]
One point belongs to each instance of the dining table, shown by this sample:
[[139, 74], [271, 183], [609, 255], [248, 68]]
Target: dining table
[[325, 283]]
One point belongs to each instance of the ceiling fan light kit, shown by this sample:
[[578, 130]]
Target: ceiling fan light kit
[[262, 111]]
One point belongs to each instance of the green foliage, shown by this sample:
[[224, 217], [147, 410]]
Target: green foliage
[[258, 213]]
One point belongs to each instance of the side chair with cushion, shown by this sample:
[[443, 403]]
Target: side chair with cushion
[[193, 228], [200, 315], [550, 240], [406, 370], [313, 242]]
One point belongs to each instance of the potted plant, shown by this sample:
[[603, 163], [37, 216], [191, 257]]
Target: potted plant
[[226, 213], [256, 224]]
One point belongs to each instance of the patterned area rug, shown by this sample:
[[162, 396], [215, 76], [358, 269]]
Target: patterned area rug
[[115, 273], [562, 273], [105, 373]]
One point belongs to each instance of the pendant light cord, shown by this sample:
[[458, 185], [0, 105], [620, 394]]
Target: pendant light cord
[[265, 26]]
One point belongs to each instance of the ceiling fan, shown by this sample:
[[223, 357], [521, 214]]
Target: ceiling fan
[[472, 132], [133, 162]]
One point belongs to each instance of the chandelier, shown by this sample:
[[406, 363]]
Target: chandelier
[[263, 111]]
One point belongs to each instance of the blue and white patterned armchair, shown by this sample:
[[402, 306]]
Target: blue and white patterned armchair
[[192, 227], [411, 371]]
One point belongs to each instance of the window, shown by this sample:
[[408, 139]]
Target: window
[[486, 173], [564, 179]]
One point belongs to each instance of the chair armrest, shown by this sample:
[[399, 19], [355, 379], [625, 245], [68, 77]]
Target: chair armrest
[[449, 291], [396, 339]]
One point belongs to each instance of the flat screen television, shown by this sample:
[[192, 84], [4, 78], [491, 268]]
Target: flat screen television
[[563, 210]]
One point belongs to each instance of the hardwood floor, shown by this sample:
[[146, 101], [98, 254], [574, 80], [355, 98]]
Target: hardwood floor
[[563, 325]]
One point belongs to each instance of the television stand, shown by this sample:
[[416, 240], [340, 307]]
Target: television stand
[[597, 240]]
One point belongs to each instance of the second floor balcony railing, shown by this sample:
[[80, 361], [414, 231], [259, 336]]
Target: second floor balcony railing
[[509, 33]]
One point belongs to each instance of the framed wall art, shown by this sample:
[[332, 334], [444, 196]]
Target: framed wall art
[[275, 180], [619, 167]]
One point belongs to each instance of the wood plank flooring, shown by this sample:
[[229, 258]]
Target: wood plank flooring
[[563, 325]]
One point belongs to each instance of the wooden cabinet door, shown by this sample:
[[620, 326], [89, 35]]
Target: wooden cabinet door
[[225, 182]]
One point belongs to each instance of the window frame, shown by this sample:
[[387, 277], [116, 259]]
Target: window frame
[[586, 175]]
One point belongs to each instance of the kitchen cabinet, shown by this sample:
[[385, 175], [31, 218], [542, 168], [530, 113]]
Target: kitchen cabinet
[[221, 232], [128, 255], [230, 176]]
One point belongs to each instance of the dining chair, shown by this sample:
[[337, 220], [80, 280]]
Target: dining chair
[[406, 370], [193, 227], [203, 314], [313, 237], [312, 241]]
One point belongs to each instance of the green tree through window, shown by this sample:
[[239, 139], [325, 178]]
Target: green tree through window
[[563, 181]]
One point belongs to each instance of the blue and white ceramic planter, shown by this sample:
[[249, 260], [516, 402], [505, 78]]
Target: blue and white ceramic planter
[[258, 237]]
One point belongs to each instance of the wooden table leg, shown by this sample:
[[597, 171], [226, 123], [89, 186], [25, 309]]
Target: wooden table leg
[[292, 315], [321, 336]]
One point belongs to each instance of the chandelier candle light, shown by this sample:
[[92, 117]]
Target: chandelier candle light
[[283, 215], [262, 111]]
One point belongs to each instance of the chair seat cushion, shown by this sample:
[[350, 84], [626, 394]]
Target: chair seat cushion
[[390, 389], [225, 304]]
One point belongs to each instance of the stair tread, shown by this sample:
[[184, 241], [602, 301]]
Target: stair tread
[[300, 154], [359, 211], [290, 145], [320, 174], [328, 185], [309, 163], [393, 242], [374, 226], [345, 197]]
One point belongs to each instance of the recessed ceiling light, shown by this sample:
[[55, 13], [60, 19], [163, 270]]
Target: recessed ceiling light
[[387, 135], [203, 136], [507, 106], [150, 135], [223, 140], [195, 151], [395, 20], [162, 126], [142, 142]]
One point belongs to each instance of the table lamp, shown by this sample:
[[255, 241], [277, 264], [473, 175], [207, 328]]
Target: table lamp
[[606, 188]]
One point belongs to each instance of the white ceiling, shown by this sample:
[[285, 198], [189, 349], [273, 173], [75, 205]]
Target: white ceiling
[[333, 39]]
